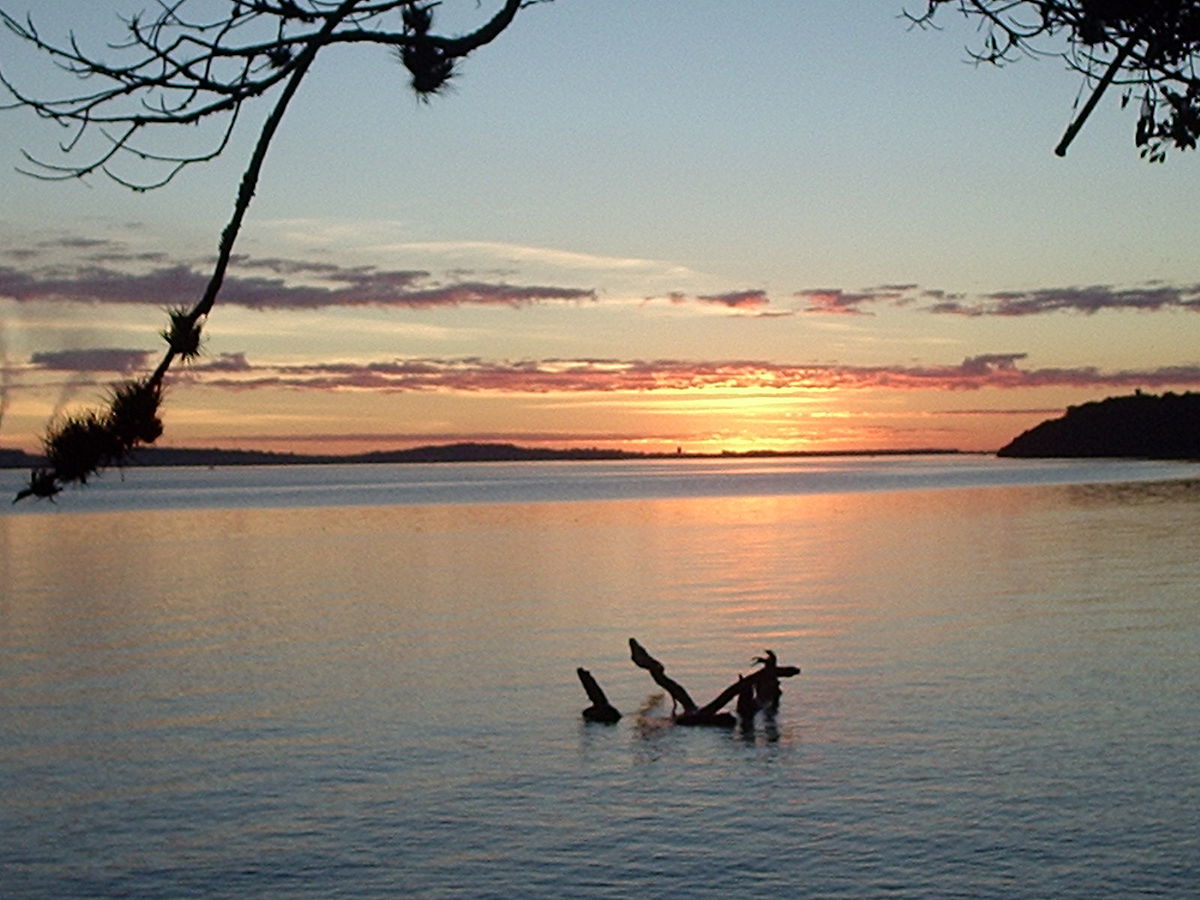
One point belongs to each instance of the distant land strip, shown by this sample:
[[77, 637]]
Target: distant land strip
[[439, 453]]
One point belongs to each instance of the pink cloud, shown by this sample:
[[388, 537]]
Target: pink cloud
[[998, 370], [752, 299]]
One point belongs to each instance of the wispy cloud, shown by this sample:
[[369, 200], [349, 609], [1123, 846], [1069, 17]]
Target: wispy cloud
[[1022, 411], [108, 271], [1038, 301], [225, 362], [325, 286], [1094, 299], [841, 302], [519, 253], [235, 371], [385, 438], [742, 300], [101, 359]]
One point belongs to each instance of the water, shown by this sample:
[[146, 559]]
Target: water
[[360, 681], [389, 485]]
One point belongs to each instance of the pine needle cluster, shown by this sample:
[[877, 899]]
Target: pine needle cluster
[[83, 444]]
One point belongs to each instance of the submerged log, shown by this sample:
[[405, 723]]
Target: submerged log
[[752, 690], [644, 660], [754, 681], [600, 710]]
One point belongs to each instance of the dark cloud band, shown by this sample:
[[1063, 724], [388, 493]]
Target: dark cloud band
[[333, 286]]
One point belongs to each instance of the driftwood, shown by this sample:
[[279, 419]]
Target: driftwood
[[600, 710], [758, 691]]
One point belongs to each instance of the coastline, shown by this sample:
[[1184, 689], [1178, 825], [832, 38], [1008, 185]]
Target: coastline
[[441, 453]]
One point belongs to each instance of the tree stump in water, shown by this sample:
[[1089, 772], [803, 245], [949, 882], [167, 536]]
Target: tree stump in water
[[759, 690], [600, 710]]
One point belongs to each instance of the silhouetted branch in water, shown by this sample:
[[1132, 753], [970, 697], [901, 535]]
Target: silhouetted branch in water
[[600, 710], [764, 684], [754, 692], [644, 660]]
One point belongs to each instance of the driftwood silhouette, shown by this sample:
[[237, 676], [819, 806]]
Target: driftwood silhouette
[[600, 710], [758, 691]]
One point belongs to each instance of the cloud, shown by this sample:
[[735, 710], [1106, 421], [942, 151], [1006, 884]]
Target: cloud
[[991, 362], [328, 286], [1022, 411], [751, 300], [473, 375], [5, 396], [1039, 301], [96, 284], [106, 271], [384, 438], [1089, 300], [841, 302], [124, 256], [513, 253], [78, 242], [102, 359], [224, 362]]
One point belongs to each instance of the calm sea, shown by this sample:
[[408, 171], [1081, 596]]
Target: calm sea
[[360, 681]]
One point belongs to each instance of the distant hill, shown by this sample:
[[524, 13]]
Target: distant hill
[[183, 456], [460, 452], [485, 452], [172, 456], [1141, 426]]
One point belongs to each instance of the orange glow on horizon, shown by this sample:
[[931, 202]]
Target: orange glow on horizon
[[702, 418]]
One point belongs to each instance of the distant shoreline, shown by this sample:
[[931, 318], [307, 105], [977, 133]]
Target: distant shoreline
[[441, 453]]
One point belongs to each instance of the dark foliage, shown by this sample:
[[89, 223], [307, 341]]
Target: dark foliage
[[1146, 49], [183, 334]]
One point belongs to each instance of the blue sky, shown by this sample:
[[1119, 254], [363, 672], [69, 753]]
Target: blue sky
[[844, 233]]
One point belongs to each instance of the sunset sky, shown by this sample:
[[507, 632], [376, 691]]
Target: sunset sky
[[643, 224]]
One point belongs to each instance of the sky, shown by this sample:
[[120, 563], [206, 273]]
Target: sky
[[633, 224]]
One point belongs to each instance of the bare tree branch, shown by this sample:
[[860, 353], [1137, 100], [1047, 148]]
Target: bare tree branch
[[1148, 47], [178, 70]]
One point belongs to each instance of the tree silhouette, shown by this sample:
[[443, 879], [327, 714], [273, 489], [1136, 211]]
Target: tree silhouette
[[182, 66], [1147, 49]]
